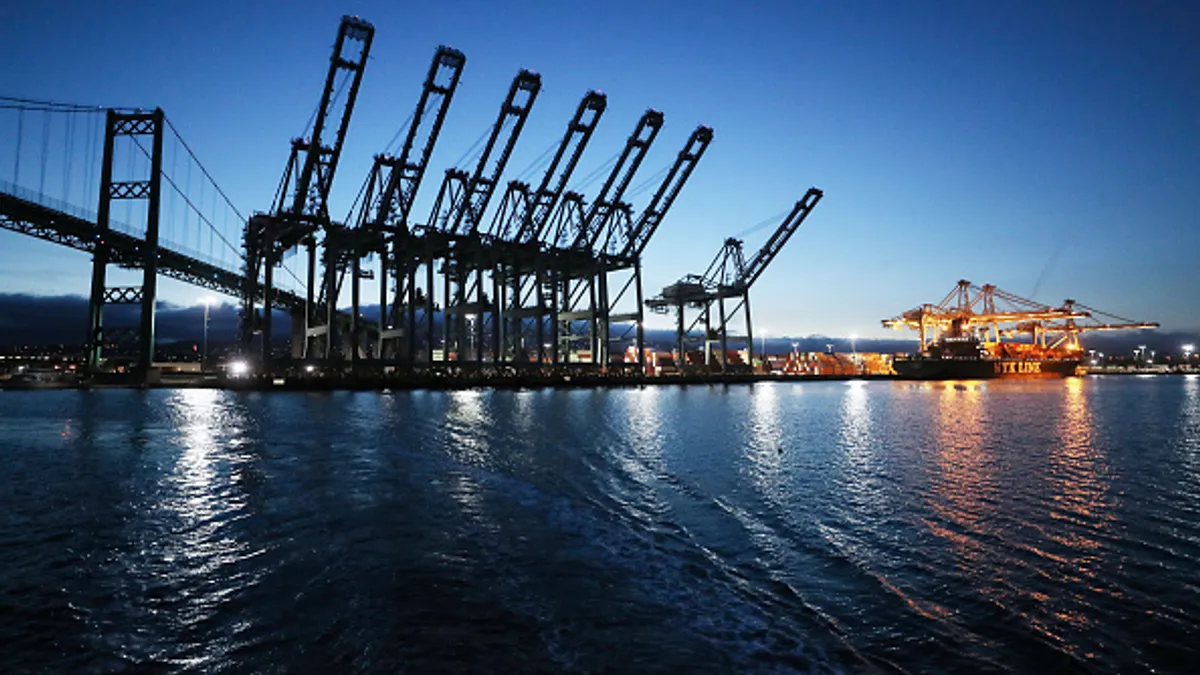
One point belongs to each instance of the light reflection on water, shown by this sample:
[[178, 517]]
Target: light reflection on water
[[1020, 527], [1189, 427], [962, 488]]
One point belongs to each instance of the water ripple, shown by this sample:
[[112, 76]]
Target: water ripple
[[820, 527]]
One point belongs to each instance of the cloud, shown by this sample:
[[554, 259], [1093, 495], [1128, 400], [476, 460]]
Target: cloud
[[62, 319]]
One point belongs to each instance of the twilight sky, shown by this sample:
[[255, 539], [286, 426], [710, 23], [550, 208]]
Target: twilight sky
[[1001, 142]]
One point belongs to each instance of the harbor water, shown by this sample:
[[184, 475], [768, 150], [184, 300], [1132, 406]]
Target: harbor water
[[1001, 526]]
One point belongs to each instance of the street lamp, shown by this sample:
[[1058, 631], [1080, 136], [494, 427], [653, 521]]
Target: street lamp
[[1187, 351], [207, 301]]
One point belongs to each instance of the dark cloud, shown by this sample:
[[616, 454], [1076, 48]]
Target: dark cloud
[[62, 319]]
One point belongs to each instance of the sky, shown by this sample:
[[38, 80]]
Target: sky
[[1048, 147]]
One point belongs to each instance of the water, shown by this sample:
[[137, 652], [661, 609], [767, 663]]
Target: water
[[1015, 527]]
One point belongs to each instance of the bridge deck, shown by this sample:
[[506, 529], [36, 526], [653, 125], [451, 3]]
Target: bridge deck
[[22, 215]]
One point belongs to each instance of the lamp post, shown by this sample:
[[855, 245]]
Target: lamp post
[[207, 301]]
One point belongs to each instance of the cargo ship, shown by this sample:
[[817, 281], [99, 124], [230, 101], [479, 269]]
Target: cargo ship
[[968, 358], [970, 335]]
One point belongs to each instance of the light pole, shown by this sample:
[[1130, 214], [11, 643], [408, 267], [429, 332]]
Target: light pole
[[207, 302]]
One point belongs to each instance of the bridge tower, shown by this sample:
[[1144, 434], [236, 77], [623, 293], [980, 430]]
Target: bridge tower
[[130, 126]]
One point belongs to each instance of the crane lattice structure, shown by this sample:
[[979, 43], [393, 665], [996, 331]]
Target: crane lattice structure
[[620, 258], [383, 228], [1002, 320], [300, 215], [467, 253], [523, 282], [573, 238], [729, 277]]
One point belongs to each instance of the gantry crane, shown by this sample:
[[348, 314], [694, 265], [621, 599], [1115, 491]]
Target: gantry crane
[[383, 226], [452, 233], [301, 210], [729, 276], [521, 275], [575, 231], [991, 315], [621, 253]]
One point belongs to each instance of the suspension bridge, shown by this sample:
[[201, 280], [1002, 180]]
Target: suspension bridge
[[154, 208]]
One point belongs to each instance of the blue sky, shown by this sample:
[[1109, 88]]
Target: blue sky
[[997, 142]]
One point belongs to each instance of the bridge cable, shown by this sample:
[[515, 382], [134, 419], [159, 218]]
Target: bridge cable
[[36, 104], [45, 152], [201, 166], [67, 155], [188, 201], [20, 135]]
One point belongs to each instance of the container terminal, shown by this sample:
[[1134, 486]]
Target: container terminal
[[544, 289]]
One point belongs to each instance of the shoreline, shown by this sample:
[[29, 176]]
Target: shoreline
[[432, 382]]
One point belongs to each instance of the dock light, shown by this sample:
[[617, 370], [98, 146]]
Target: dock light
[[239, 368], [1187, 351], [309, 368]]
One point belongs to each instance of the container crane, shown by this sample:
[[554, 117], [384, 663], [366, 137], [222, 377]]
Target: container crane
[[383, 226], [992, 315], [301, 209], [463, 198], [576, 231], [452, 233], [729, 276], [625, 243], [518, 227]]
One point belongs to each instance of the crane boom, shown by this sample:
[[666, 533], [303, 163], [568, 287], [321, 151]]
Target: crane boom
[[674, 181], [467, 211], [754, 269], [545, 198], [315, 176], [405, 172], [527, 214], [595, 220]]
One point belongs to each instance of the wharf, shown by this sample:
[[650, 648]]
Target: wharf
[[448, 382]]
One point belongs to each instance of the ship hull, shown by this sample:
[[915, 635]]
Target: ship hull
[[982, 369]]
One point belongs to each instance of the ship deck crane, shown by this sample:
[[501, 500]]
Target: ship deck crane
[[301, 208], [991, 314], [729, 276]]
